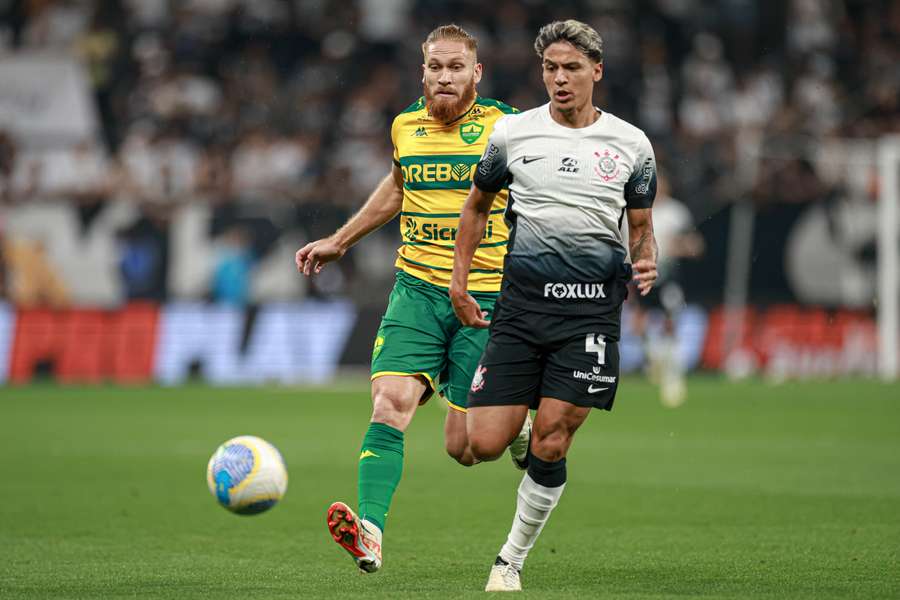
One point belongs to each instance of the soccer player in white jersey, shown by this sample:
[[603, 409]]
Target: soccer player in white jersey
[[573, 172]]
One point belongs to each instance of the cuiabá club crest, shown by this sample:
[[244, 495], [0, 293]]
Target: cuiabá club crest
[[470, 131]]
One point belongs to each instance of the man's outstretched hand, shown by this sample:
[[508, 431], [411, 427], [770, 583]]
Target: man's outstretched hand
[[313, 257]]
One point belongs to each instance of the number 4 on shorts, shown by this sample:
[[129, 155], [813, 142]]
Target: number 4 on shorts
[[596, 343]]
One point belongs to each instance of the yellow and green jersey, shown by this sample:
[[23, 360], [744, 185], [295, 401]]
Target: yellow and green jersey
[[438, 161]]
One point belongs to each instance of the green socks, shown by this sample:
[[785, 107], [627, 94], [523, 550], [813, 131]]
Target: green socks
[[380, 466]]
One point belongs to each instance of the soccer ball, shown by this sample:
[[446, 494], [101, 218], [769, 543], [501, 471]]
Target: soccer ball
[[247, 475]]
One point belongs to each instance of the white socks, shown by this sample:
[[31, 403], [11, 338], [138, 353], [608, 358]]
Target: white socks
[[533, 507]]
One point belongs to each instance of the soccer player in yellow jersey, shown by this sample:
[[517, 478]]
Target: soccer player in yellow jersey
[[421, 346]]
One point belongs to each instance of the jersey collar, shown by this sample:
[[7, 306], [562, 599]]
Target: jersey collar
[[581, 130]]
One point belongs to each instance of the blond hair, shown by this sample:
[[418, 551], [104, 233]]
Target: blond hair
[[450, 33], [581, 35]]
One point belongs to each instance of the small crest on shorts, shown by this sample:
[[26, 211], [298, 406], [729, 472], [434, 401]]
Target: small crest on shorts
[[478, 379], [607, 166], [379, 344]]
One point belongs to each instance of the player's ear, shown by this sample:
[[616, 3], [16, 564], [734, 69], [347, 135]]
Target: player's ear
[[479, 69], [423, 72], [598, 72]]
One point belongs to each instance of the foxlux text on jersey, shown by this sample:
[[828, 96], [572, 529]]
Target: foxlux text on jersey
[[586, 291]]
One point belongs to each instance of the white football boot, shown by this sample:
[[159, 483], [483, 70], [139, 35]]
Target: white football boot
[[518, 450], [359, 537], [504, 578]]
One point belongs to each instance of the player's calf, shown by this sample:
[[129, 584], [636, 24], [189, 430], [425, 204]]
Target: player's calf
[[456, 441], [552, 447], [554, 428], [395, 399], [463, 455], [487, 448], [491, 429]]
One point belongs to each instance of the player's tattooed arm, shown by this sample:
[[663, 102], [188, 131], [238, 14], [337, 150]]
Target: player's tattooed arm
[[472, 222], [383, 205], [643, 248]]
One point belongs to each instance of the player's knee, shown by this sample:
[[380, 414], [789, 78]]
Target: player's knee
[[550, 446], [390, 409]]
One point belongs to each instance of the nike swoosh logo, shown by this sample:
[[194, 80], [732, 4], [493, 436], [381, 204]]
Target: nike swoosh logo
[[593, 390], [527, 159]]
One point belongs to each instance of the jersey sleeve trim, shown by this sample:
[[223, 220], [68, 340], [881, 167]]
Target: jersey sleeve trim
[[640, 190], [417, 105], [492, 172]]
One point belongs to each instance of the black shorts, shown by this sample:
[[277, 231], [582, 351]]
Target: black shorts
[[532, 355]]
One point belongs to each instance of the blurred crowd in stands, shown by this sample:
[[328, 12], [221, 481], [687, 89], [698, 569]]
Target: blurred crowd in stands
[[276, 113]]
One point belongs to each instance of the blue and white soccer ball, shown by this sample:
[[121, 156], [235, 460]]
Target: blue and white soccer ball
[[247, 475]]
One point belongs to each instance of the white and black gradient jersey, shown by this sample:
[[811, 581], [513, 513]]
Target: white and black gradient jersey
[[568, 191]]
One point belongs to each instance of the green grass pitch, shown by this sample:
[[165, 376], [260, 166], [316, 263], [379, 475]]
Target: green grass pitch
[[748, 491]]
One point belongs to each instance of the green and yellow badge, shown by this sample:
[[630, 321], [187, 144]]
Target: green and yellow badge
[[470, 131], [379, 344]]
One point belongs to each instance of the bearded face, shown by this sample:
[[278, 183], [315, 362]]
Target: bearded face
[[446, 105], [450, 77]]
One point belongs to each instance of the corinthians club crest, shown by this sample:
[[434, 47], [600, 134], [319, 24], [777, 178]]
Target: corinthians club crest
[[478, 380], [607, 167]]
